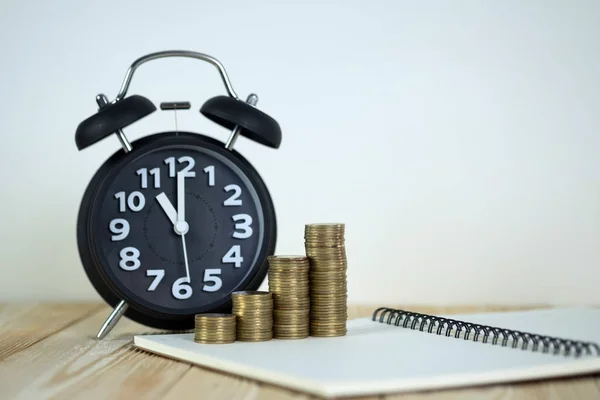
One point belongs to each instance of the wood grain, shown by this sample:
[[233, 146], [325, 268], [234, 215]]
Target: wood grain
[[72, 364], [25, 324], [212, 385], [50, 353]]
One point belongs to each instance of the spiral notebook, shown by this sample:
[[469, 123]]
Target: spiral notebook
[[397, 351]]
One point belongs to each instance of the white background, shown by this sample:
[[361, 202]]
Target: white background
[[457, 140]]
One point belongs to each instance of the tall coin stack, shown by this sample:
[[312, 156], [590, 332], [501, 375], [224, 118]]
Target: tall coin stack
[[325, 248], [214, 328], [254, 315], [288, 281]]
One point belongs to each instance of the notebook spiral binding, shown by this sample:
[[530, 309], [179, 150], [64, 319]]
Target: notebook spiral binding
[[483, 333]]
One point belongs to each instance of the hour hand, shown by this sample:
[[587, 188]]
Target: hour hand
[[167, 207]]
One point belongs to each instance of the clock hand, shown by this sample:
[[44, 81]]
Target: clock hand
[[185, 258], [167, 207], [181, 227]]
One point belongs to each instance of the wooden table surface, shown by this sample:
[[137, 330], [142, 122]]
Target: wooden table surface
[[48, 350]]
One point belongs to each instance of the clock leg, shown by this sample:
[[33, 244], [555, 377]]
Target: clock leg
[[252, 100], [112, 319]]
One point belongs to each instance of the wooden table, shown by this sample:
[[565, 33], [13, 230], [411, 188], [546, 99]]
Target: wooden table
[[48, 350]]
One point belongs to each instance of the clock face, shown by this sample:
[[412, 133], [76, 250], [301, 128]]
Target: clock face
[[177, 227]]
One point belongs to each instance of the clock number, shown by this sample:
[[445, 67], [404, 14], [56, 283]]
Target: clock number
[[180, 289], [158, 274], [234, 255], [233, 200], [155, 172], [171, 163], [130, 259], [135, 201], [245, 226], [187, 171], [120, 228], [210, 170], [210, 275]]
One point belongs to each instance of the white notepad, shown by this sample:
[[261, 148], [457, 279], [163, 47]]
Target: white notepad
[[377, 358]]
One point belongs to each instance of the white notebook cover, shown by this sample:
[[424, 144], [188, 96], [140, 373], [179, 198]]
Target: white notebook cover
[[376, 358]]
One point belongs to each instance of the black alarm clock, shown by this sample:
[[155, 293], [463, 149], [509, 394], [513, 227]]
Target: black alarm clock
[[172, 223]]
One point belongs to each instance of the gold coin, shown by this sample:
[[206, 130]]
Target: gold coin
[[317, 295], [338, 237], [289, 298], [299, 320], [290, 284], [329, 260], [328, 291], [289, 312], [311, 247], [289, 280], [285, 328], [321, 299], [287, 275], [340, 272], [328, 307], [305, 292], [324, 242], [288, 295], [324, 245], [290, 336], [317, 298], [300, 281], [328, 277], [291, 320], [325, 225], [292, 306], [328, 318], [292, 297], [322, 259], [329, 324], [314, 312], [293, 265], [326, 258], [335, 277], [298, 324], [323, 250], [214, 328], [324, 233], [287, 258], [328, 284], [333, 333], [254, 315], [252, 295]]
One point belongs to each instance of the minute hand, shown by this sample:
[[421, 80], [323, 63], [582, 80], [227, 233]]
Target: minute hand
[[181, 226]]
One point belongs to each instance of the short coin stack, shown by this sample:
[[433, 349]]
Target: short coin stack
[[325, 248], [214, 328], [254, 313], [288, 281]]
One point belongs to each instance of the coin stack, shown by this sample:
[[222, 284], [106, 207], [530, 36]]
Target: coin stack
[[214, 328], [325, 248], [288, 281], [254, 315]]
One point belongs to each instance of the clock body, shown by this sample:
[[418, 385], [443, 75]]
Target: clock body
[[128, 245]]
